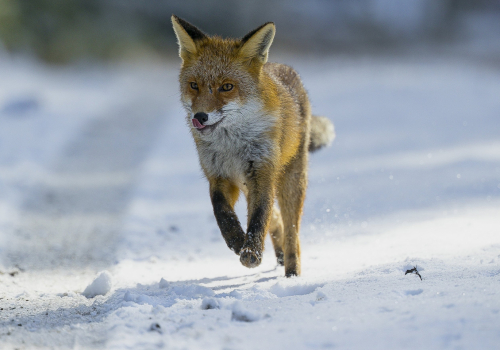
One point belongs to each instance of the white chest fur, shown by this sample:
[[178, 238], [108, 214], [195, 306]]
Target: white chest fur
[[238, 144]]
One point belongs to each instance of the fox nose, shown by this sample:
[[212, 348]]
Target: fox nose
[[201, 117]]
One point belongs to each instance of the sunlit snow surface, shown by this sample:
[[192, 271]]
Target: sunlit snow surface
[[98, 172]]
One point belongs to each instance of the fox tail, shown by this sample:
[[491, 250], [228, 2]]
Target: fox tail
[[322, 133]]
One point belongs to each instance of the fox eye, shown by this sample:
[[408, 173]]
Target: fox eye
[[227, 87], [194, 86]]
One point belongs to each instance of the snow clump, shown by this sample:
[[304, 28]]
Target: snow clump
[[100, 286], [163, 284], [239, 313], [210, 303]]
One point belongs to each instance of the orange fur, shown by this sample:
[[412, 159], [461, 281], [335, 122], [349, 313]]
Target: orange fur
[[252, 136]]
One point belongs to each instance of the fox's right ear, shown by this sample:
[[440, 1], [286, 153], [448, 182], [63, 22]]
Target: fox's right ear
[[186, 34]]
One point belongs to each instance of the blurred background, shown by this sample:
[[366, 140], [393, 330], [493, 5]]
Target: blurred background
[[67, 30]]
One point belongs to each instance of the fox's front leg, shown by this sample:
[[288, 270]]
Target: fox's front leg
[[260, 206], [224, 195]]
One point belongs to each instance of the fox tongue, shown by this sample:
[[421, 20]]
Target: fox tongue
[[197, 124]]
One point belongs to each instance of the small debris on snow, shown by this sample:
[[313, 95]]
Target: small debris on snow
[[414, 270], [66, 294], [320, 296], [100, 286], [155, 327], [210, 303], [239, 313], [12, 273]]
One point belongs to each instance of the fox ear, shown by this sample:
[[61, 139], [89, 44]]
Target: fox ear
[[256, 43], [187, 34]]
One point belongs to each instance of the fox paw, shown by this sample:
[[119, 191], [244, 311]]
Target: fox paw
[[235, 245], [292, 265], [250, 258], [291, 272]]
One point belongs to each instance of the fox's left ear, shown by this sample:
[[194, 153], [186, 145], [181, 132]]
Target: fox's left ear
[[256, 43]]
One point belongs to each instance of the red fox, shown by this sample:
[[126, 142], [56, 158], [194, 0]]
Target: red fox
[[252, 125]]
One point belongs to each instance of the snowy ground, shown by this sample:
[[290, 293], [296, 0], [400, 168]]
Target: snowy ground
[[98, 173]]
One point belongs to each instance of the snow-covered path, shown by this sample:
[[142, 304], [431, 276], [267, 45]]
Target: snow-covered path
[[98, 172]]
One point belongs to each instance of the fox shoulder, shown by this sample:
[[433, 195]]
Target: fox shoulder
[[286, 76]]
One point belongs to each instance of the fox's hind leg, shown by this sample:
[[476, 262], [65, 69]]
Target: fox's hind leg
[[276, 233], [291, 195]]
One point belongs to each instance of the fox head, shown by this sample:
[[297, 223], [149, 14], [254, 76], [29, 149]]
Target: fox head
[[220, 79]]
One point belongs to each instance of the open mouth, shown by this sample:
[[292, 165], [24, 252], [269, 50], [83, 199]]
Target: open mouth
[[201, 127]]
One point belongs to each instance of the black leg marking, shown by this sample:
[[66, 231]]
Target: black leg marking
[[256, 224], [280, 258], [228, 222]]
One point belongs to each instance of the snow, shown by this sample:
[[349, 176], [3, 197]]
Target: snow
[[210, 303], [100, 286], [98, 172], [240, 313]]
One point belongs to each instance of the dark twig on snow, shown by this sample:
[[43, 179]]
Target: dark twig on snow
[[155, 327], [415, 271]]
